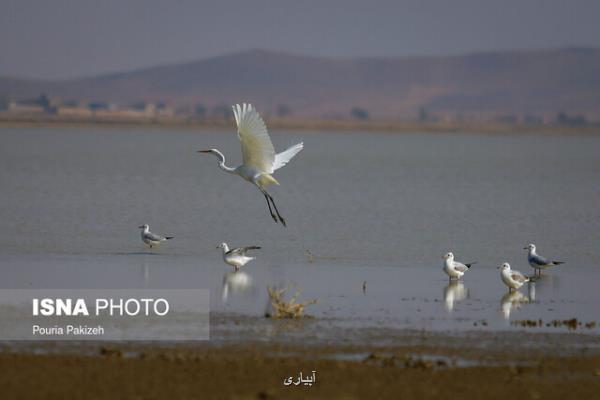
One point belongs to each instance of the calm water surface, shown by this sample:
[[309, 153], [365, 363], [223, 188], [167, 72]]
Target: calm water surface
[[380, 208]]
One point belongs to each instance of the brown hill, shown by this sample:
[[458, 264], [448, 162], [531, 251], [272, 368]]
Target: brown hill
[[541, 82]]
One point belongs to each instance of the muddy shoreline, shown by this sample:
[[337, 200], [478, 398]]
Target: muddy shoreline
[[435, 369], [416, 366]]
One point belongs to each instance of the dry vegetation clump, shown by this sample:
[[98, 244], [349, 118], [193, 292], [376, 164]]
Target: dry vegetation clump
[[280, 308]]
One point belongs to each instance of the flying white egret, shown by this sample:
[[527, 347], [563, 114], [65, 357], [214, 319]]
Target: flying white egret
[[236, 257], [511, 278], [152, 239], [454, 269], [537, 262], [258, 153]]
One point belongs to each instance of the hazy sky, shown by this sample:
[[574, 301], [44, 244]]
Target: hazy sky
[[69, 38]]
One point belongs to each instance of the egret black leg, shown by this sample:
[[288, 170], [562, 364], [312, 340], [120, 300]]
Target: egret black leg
[[276, 210], [269, 204]]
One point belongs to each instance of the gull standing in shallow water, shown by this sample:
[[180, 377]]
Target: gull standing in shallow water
[[454, 269], [537, 262], [258, 153], [152, 239], [236, 257], [512, 279]]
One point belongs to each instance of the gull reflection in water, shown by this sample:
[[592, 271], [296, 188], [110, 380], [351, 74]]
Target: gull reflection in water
[[548, 286], [145, 270], [453, 292], [512, 301], [531, 291], [235, 282]]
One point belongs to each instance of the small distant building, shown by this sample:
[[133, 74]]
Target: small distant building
[[143, 109], [101, 105], [163, 110], [76, 111], [25, 108]]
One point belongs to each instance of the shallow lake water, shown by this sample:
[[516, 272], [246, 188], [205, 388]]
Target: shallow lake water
[[361, 207]]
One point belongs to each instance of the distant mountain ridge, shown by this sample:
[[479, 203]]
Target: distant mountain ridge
[[539, 82]]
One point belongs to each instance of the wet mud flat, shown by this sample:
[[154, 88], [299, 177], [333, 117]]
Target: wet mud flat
[[484, 365]]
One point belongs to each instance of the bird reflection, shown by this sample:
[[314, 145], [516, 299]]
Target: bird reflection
[[512, 301], [547, 284], [145, 270], [453, 292], [235, 282], [531, 291]]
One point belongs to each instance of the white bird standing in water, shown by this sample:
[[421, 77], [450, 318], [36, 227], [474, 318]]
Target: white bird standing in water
[[537, 262], [258, 153], [513, 279], [236, 257], [152, 239], [454, 269]]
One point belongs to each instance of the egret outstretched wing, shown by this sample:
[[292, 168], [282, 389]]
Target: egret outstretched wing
[[257, 148], [285, 156]]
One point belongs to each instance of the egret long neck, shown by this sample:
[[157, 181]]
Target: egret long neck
[[222, 165]]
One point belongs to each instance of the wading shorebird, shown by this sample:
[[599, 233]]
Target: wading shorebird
[[236, 257], [152, 239], [258, 153], [512, 279], [454, 269], [537, 262]]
